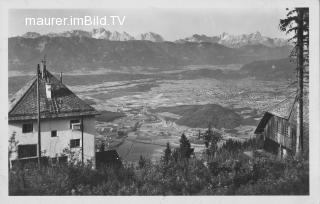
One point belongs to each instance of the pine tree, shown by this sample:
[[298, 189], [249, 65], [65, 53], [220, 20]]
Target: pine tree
[[297, 21], [167, 154], [207, 136], [142, 162], [211, 140], [185, 147], [213, 144], [216, 139]]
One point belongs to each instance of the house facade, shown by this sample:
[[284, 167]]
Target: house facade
[[278, 128], [67, 123]]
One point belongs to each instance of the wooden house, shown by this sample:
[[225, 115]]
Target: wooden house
[[278, 128], [66, 121]]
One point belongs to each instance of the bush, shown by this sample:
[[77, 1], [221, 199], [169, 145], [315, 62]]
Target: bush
[[228, 173]]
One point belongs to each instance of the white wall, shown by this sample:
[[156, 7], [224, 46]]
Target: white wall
[[54, 146]]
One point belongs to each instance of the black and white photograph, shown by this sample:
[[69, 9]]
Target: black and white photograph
[[160, 99]]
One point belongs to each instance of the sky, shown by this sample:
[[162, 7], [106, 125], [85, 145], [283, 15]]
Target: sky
[[171, 24]]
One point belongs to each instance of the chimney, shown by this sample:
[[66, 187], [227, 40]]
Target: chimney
[[43, 71], [61, 77], [38, 70], [48, 90]]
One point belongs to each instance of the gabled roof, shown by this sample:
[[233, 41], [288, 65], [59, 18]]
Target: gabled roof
[[264, 120], [286, 109], [63, 103]]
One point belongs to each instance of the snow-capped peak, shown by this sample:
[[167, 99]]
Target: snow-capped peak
[[100, 33], [235, 41], [150, 36], [226, 39]]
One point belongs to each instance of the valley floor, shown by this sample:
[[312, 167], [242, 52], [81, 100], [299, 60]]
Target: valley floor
[[136, 99]]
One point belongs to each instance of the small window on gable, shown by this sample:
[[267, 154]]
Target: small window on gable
[[28, 127], [77, 121], [74, 143], [53, 133]]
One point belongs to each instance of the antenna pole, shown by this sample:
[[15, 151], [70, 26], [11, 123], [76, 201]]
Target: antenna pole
[[38, 106], [82, 148]]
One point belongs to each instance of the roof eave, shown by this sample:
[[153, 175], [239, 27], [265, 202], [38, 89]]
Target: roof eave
[[53, 116], [262, 123], [20, 94]]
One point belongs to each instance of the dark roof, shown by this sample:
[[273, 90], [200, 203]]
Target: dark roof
[[286, 109], [264, 120], [63, 102]]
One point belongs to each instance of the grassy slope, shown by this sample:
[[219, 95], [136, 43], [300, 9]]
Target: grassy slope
[[270, 69]]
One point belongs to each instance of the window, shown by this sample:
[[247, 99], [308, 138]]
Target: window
[[53, 133], [280, 126], [74, 143], [74, 122], [27, 151], [273, 127], [27, 128], [286, 130]]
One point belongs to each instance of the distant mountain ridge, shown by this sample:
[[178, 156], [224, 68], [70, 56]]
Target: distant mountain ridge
[[74, 50], [228, 40], [100, 33], [236, 41]]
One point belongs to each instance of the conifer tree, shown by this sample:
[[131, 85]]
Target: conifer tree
[[185, 147], [142, 162], [167, 154], [207, 136], [297, 22]]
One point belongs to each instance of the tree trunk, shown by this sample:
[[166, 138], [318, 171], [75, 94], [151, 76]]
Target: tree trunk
[[299, 138]]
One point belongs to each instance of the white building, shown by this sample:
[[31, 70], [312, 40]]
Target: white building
[[67, 122]]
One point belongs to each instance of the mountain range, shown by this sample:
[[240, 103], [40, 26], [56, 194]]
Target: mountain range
[[228, 40], [236, 41], [100, 33], [73, 50]]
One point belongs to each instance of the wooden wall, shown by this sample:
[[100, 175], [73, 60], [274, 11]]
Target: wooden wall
[[281, 131]]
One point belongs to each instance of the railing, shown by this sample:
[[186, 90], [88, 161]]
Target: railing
[[45, 161]]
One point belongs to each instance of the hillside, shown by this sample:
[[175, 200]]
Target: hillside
[[74, 53], [270, 69], [201, 115]]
